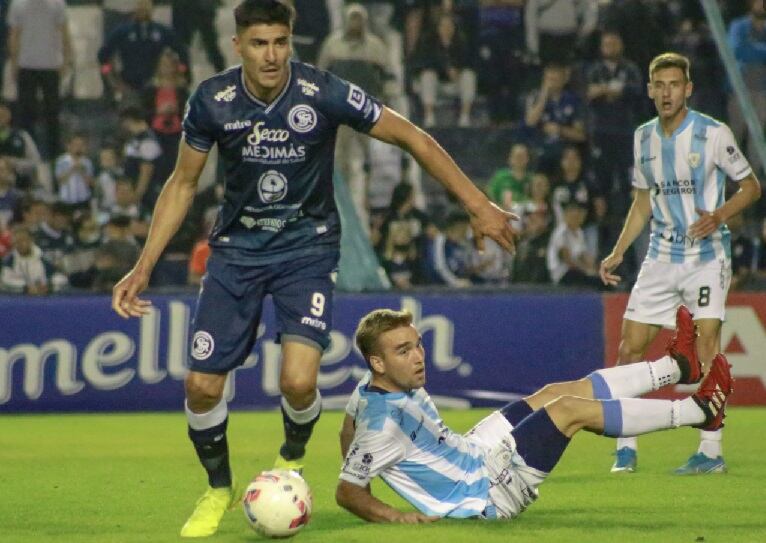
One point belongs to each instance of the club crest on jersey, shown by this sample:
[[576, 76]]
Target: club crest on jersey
[[302, 118], [272, 187], [356, 97], [694, 159], [202, 345], [226, 95]]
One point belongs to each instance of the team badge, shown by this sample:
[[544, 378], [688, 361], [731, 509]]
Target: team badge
[[694, 159], [302, 118], [272, 187], [202, 345]]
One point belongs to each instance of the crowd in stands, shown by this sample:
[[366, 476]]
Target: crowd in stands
[[564, 79]]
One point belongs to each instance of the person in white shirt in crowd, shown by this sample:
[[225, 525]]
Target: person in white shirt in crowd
[[25, 270], [74, 174]]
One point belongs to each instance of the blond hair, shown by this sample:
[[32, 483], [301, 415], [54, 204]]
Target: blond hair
[[375, 324], [670, 60]]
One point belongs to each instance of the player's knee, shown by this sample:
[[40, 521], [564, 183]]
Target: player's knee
[[297, 388], [630, 351], [566, 413], [203, 391]]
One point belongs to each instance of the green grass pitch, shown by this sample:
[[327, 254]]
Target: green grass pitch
[[124, 478]]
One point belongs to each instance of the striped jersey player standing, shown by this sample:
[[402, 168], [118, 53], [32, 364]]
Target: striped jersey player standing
[[682, 159], [393, 430]]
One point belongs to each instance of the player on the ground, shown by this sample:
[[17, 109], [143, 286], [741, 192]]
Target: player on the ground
[[681, 161], [392, 428], [274, 121]]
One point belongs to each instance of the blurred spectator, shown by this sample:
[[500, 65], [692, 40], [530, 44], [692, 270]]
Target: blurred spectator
[[18, 146], [743, 253], [501, 50], [553, 27], [747, 38], [113, 260], [109, 170], [25, 270], [448, 255], [360, 57], [509, 186], [4, 5], [312, 25], [87, 240], [416, 14], [74, 175], [569, 262], [614, 88], [10, 196], [443, 61], [54, 236], [402, 238], [555, 113], [190, 16], [141, 153], [539, 194], [139, 44], [576, 184], [530, 262], [492, 266], [124, 200], [33, 213], [694, 41], [39, 52], [164, 99]]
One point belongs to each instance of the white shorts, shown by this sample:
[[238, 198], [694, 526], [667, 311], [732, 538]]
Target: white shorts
[[513, 485], [662, 286]]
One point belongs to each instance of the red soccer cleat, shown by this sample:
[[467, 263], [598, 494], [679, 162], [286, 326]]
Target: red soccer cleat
[[682, 347], [713, 393]]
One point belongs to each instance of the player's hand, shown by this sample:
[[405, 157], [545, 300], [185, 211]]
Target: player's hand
[[125, 300], [414, 517], [608, 265], [708, 223], [495, 223]]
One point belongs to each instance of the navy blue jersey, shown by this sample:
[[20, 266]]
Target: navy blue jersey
[[278, 159]]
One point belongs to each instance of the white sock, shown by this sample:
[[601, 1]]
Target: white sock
[[633, 416], [305, 415], [203, 421], [632, 380], [710, 443], [630, 442]]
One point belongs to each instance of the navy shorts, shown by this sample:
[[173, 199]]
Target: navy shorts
[[231, 300]]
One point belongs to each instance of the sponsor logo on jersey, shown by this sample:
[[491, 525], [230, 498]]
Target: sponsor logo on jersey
[[202, 345], [356, 97], [272, 187], [314, 323], [260, 134], [676, 186], [308, 88], [302, 118], [694, 159], [226, 95], [237, 125]]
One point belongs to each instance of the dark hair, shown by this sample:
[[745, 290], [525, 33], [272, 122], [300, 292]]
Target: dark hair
[[375, 324], [270, 12], [400, 194], [670, 60], [132, 112]]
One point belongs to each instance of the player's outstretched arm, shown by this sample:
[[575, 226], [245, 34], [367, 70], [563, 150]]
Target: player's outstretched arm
[[639, 213], [171, 208], [487, 219], [360, 501]]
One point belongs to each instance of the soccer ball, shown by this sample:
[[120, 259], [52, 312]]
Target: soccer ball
[[277, 503]]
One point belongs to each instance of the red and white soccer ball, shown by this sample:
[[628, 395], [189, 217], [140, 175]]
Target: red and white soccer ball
[[277, 503]]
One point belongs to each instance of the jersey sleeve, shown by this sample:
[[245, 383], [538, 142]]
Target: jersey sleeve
[[370, 453], [346, 103], [196, 124], [353, 400], [639, 180], [728, 156]]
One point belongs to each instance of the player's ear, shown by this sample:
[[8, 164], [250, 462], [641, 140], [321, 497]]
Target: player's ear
[[649, 90], [377, 365], [237, 44], [689, 89]]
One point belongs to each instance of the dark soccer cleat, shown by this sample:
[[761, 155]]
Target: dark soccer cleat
[[682, 347], [713, 392]]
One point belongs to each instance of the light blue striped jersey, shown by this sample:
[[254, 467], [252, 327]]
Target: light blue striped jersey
[[684, 172], [401, 437]]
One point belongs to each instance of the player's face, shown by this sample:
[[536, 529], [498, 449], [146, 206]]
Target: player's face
[[402, 360], [265, 51], [669, 89]]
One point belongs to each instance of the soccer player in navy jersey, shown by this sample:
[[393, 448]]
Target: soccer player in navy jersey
[[274, 121], [392, 429]]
